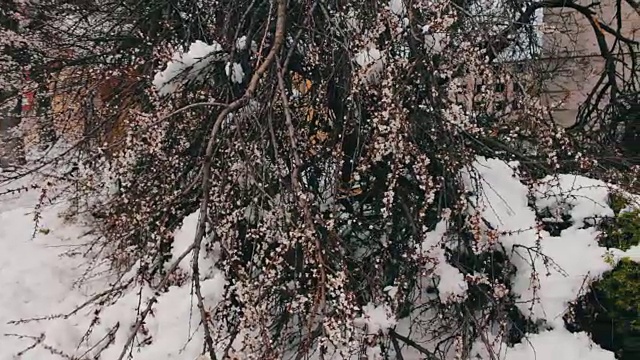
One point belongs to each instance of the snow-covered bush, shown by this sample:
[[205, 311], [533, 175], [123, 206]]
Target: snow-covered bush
[[609, 310], [281, 194]]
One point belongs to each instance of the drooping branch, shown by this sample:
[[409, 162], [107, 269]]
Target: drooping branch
[[208, 157]]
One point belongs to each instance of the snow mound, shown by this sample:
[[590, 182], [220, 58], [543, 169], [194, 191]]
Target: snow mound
[[552, 271]]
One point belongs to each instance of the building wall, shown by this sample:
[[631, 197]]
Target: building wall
[[76, 100], [572, 54]]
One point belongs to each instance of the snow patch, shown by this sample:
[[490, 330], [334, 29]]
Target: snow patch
[[235, 72], [241, 43], [451, 282], [559, 344], [368, 56], [376, 318], [186, 66], [551, 270], [397, 7], [587, 198]]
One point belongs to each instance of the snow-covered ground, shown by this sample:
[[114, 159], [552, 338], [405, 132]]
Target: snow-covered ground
[[36, 280], [39, 279]]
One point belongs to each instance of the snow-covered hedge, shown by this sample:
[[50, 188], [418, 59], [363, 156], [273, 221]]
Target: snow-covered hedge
[[515, 267]]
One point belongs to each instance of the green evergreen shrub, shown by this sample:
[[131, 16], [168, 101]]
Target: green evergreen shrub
[[610, 311], [621, 232]]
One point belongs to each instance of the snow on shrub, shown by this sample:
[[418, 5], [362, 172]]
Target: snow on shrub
[[186, 66], [551, 273]]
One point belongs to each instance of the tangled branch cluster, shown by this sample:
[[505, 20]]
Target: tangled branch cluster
[[321, 143]]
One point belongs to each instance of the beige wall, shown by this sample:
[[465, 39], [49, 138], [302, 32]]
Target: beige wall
[[571, 49]]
